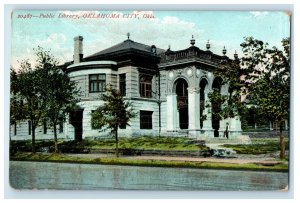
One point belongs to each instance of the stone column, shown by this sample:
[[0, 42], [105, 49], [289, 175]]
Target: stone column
[[194, 111], [286, 126], [207, 125], [223, 122], [235, 127], [171, 112]]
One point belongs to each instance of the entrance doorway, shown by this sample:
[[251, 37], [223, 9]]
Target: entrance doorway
[[76, 121], [182, 102]]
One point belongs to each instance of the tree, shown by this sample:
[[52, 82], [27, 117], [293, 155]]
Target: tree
[[28, 96], [62, 94], [17, 110], [268, 80], [41, 92], [114, 113]]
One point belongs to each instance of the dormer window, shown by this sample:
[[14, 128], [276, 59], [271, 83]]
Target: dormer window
[[146, 86], [153, 49], [97, 83]]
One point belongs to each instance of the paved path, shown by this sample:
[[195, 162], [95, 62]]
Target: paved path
[[211, 159]]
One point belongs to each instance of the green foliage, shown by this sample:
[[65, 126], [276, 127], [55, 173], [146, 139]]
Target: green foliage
[[41, 92], [268, 77], [228, 105], [268, 80], [268, 146], [114, 113], [62, 94], [28, 95], [138, 143]]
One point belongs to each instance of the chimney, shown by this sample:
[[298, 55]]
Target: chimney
[[78, 54]]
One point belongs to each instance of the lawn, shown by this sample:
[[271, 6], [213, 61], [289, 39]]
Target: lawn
[[140, 143], [258, 146]]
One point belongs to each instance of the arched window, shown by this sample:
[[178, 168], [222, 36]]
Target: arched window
[[181, 87]]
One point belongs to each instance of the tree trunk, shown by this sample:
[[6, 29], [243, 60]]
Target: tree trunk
[[55, 139], [33, 139], [117, 142], [282, 144]]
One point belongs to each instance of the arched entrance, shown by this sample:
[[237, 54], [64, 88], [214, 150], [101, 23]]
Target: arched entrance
[[216, 105], [182, 102], [203, 84]]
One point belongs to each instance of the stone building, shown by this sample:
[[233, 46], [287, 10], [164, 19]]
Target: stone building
[[168, 90]]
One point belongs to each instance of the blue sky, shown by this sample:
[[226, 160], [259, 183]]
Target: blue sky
[[174, 28]]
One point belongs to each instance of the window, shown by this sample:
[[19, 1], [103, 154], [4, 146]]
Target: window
[[122, 84], [146, 119], [29, 127], [45, 126], [97, 83], [146, 86], [61, 126], [15, 128]]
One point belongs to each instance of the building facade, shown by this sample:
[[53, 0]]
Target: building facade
[[168, 90]]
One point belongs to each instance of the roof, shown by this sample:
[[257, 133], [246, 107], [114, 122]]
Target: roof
[[126, 45]]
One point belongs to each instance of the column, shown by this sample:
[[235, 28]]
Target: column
[[171, 112], [194, 110], [207, 125], [223, 122], [235, 126], [286, 126]]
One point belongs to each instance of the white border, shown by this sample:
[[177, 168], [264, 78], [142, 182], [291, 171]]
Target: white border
[[208, 5]]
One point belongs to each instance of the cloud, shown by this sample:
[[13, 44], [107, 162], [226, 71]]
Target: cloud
[[56, 42], [259, 13], [23, 48], [103, 33]]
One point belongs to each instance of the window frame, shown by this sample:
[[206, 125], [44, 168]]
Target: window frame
[[29, 127], [61, 126], [44, 127], [122, 84], [145, 86], [15, 128], [146, 120], [97, 81]]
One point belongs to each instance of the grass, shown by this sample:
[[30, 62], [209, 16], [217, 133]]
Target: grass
[[141, 143], [258, 146], [60, 158]]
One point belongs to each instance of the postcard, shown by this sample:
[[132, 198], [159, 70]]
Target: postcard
[[150, 100]]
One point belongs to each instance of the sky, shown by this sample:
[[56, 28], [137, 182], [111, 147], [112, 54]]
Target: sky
[[55, 30]]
